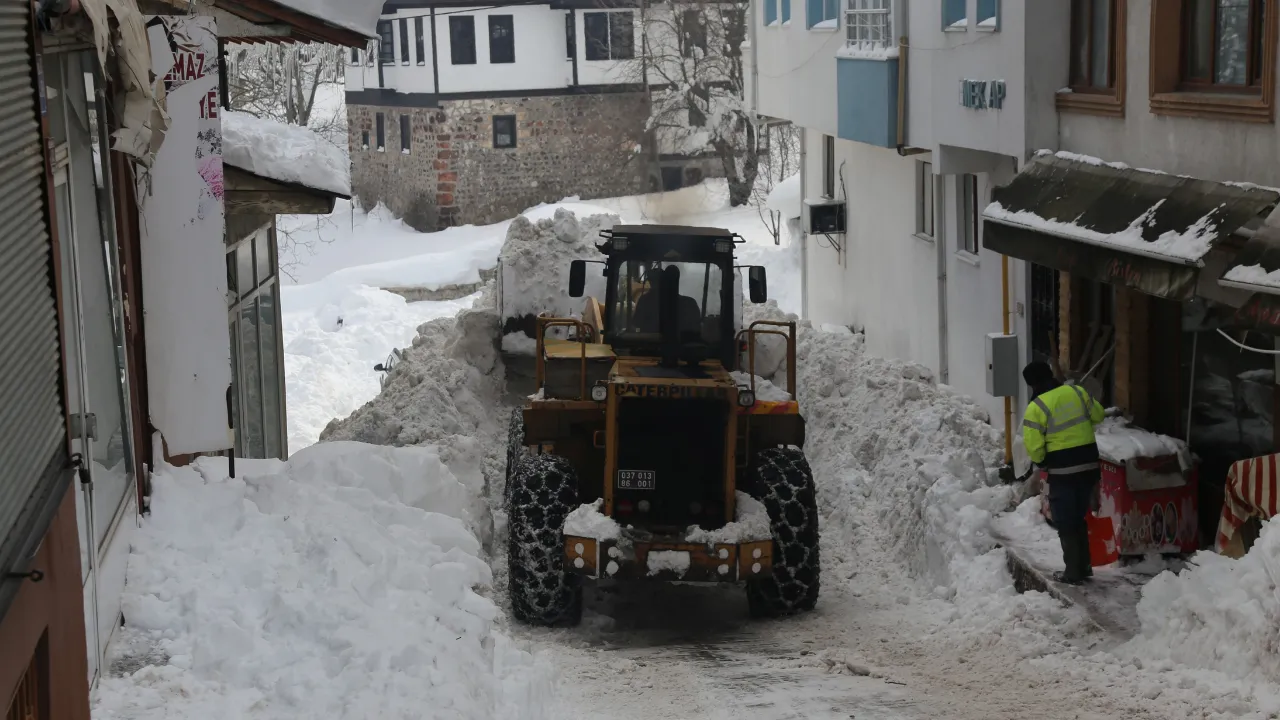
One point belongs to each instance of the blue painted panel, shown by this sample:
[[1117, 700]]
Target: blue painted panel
[[786, 10], [953, 11], [867, 101], [770, 12]]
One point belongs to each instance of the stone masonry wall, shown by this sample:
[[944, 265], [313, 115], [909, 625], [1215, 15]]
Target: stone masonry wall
[[587, 145]]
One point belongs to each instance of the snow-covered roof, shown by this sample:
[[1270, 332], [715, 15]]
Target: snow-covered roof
[[1145, 212], [785, 197], [284, 153], [1257, 266], [358, 15]]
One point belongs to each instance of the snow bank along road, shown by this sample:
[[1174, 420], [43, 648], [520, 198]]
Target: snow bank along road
[[361, 582]]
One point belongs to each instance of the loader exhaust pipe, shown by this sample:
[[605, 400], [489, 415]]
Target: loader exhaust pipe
[[669, 316]]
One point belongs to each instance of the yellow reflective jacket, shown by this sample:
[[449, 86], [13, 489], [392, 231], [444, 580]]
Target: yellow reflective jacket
[[1057, 430]]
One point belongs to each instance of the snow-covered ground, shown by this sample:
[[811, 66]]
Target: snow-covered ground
[[360, 581]]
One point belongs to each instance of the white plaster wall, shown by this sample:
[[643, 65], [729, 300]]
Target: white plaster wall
[[974, 299], [417, 75], [824, 269], [1219, 150], [541, 56], [796, 70]]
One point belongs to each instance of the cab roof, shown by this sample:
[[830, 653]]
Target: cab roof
[[638, 232]]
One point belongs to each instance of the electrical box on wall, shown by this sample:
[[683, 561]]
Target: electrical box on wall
[[824, 217], [1004, 376]]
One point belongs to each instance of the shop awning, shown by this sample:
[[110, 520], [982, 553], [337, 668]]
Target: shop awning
[[1137, 228], [1257, 269]]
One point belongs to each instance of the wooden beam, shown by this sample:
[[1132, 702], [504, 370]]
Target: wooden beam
[[278, 203]]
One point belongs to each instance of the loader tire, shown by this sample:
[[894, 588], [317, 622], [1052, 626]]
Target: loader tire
[[783, 482], [515, 451], [543, 491]]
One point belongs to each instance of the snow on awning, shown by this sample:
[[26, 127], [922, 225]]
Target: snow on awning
[[284, 153], [1257, 268], [358, 15], [1139, 228]]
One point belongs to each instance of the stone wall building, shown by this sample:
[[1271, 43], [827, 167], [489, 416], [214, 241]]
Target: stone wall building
[[463, 115]]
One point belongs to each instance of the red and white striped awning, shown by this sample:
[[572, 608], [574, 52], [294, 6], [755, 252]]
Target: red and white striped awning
[[1250, 492]]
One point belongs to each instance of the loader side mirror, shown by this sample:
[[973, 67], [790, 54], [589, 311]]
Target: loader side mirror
[[757, 285], [379, 368], [577, 278]]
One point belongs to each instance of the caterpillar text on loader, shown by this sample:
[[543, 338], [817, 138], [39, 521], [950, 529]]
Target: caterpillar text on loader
[[638, 412]]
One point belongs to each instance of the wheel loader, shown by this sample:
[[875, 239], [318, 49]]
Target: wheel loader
[[640, 457]]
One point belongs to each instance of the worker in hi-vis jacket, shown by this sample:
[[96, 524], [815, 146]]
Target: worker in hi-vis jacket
[[1057, 430]]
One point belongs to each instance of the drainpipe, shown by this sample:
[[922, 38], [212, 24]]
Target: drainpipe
[[804, 236], [755, 66], [1008, 401]]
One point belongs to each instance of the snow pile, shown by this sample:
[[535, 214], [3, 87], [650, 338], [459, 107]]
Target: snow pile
[[589, 522], [1253, 275], [771, 350], [535, 265], [445, 391], [1219, 614], [765, 391], [282, 152], [1120, 442], [785, 197], [751, 522], [905, 473], [340, 583], [676, 561], [334, 334]]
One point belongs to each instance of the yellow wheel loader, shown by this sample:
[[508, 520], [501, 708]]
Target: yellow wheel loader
[[641, 456]]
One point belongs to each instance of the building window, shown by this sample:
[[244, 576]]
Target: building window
[[257, 360], [419, 41], [502, 39], [462, 40], [364, 140], [924, 200], [404, 42], [868, 24], [380, 122], [504, 131], [954, 15], [386, 42], [968, 214], [1097, 58], [693, 31], [698, 98], [609, 35], [1222, 43], [770, 13], [828, 166], [570, 36], [355, 56], [989, 15], [1214, 58], [406, 134], [822, 14]]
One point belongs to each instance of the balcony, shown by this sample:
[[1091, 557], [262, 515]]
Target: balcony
[[867, 75]]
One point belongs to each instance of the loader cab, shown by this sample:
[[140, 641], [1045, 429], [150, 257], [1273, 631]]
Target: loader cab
[[694, 268]]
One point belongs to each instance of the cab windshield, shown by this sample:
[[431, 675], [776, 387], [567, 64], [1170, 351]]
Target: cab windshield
[[635, 310]]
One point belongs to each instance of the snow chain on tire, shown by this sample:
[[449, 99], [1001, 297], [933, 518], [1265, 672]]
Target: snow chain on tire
[[543, 490], [783, 482], [515, 451]]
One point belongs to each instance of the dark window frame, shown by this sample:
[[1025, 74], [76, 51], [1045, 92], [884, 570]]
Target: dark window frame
[[967, 196], [1084, 96], [380, 122], [386, 42], [496, 132], [1082, 78], [1255, 50], [611, 48], [355, 56], [419, 41], [464, 53], [693, 32], [405, 58], [502, 50], [364, 140], [570, 36], [926, 202], [406, 133]]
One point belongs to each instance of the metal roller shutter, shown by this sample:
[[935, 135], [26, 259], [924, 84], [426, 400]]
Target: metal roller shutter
[[33, 453]]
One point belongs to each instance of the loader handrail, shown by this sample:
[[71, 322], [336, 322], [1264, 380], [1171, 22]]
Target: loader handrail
[[789, 336], [585, 334]]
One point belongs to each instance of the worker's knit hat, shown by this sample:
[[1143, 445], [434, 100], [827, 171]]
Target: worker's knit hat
[[1037, 373]]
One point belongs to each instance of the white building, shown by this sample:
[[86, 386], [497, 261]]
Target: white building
[[472, 113]]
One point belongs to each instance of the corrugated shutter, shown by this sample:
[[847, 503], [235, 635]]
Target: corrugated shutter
[[32, 431]]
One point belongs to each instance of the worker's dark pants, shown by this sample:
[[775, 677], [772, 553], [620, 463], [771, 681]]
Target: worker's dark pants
[[1070, 499]]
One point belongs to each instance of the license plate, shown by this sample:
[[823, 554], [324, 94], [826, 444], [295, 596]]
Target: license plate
[[637, 480]]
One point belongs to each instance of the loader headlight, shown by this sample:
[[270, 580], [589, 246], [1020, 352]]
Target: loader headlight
[[618, 244], [724, 246], [599, 393], [746, 398]]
